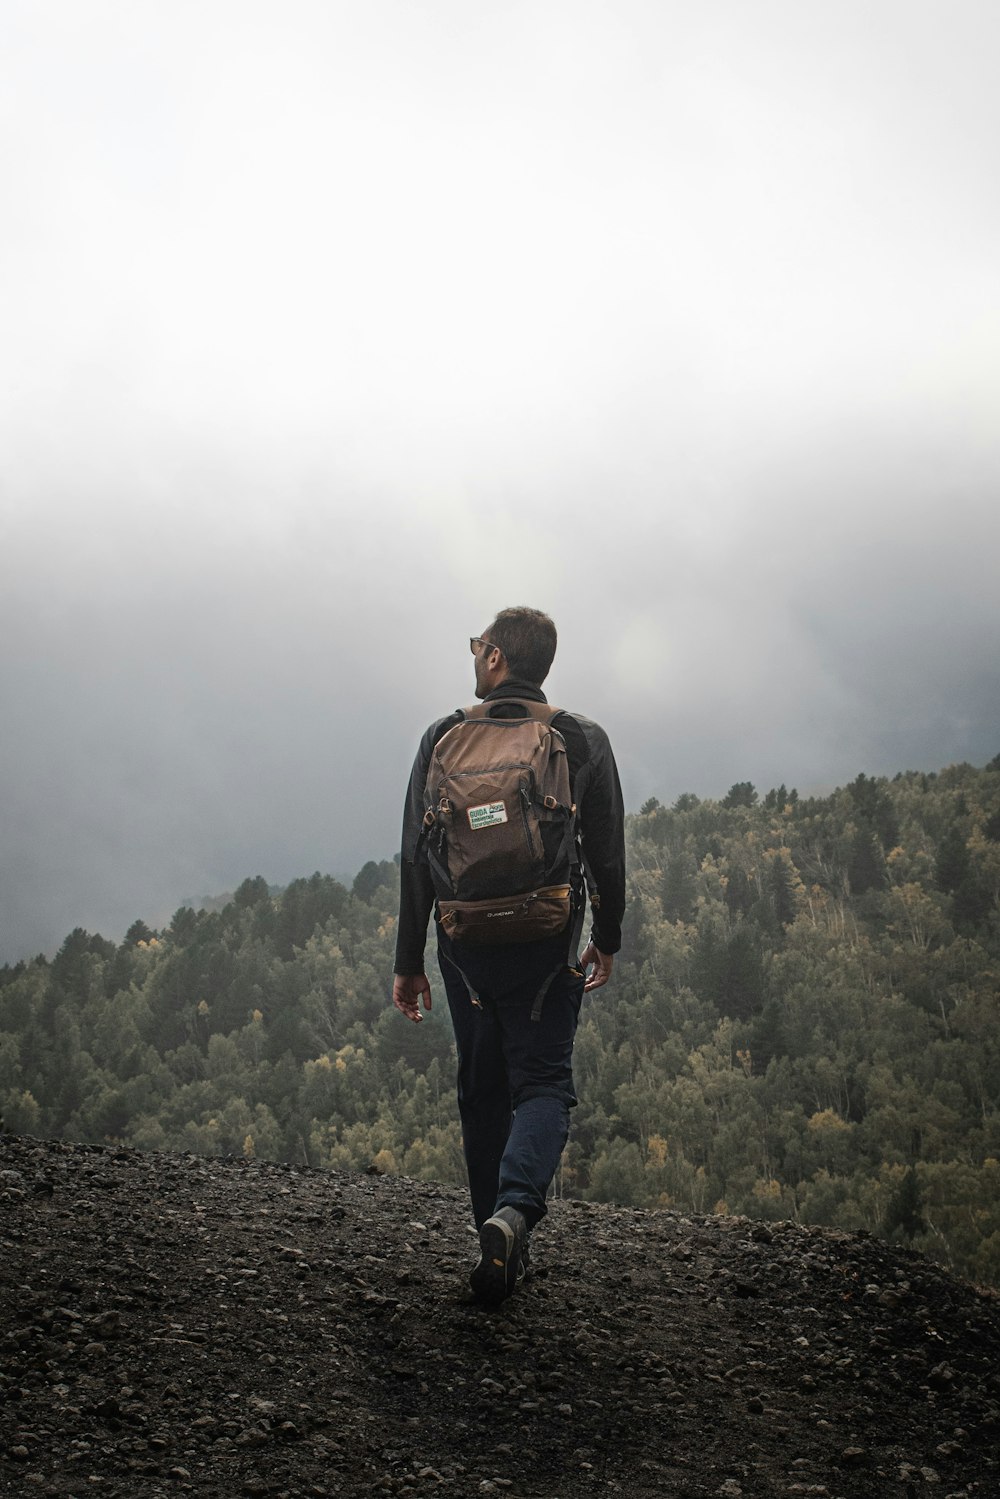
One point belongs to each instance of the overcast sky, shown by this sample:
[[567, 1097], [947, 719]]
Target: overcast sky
[[326, 330]]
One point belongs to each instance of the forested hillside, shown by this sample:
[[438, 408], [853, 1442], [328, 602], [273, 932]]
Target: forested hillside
[[804, 1023]]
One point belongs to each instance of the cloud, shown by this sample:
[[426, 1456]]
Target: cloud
[[333, 330]]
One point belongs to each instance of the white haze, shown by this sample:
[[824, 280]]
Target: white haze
[[328, 329]]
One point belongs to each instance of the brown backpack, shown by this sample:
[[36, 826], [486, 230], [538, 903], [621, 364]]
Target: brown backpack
[[500, 826]]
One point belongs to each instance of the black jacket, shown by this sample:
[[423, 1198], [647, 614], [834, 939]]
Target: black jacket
[[598, 796]]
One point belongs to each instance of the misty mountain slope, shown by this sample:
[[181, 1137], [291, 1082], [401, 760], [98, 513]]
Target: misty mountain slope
[[229, 1327]]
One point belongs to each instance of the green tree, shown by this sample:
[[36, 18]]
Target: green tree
[[781, 888], [253, 892], [678, 888], [866, 863], [872, 800], [951, 867], [740, 794], [903, 1217], [686, 802], [742, 985], [739, 892]]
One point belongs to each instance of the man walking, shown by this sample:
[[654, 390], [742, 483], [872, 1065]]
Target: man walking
[[515, 1005]]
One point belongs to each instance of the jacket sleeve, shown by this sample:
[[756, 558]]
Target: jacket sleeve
[[602, 828], [416, 898], [416, 892]]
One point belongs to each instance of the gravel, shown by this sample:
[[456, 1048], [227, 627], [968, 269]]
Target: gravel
[[178, 1325]]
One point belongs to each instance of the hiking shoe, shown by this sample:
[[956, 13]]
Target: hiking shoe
[[502, 1239]]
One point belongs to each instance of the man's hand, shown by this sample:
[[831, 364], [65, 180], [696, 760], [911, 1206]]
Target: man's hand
[[603, 963], [406, 991]]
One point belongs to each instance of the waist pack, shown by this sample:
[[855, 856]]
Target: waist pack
[[500, 825]]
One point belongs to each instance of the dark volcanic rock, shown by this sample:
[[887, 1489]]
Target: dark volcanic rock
[[222, 1327]]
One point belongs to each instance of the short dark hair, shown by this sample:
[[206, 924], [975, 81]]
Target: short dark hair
[[527, 638]]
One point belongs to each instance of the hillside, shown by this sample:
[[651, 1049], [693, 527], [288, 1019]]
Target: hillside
[[803, 1024], [176, 1324]]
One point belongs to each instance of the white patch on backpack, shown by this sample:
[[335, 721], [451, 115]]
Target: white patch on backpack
[[488, 815]]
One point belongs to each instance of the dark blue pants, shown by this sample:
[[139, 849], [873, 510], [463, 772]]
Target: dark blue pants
[[515, 1073]]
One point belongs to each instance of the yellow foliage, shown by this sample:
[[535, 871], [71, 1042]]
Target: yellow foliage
[[257, 1017], [656, 1151], [767, 1189], [203, 1007], [248, 1149], [349, 1053], [826, 1119]]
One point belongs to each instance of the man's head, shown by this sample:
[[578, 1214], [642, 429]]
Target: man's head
[[520, 643]]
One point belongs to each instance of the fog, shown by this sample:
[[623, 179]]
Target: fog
[[329, 330]]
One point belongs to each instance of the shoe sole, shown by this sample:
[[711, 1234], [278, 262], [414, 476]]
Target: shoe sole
[[491, 1280]]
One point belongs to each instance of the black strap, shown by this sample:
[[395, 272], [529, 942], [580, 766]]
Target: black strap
[[536, 1008], [473, 996]]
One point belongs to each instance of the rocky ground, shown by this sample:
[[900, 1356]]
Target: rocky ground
[[223, 1327]]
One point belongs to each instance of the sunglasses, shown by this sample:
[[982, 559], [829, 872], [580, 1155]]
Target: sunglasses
[[476, 642]]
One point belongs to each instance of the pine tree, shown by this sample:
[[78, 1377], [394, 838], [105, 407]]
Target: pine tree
[[740, 794], [903, 1217], [781, 890], [678, 888]]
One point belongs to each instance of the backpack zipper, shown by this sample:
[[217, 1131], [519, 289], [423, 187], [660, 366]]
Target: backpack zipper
[[525, 804]]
